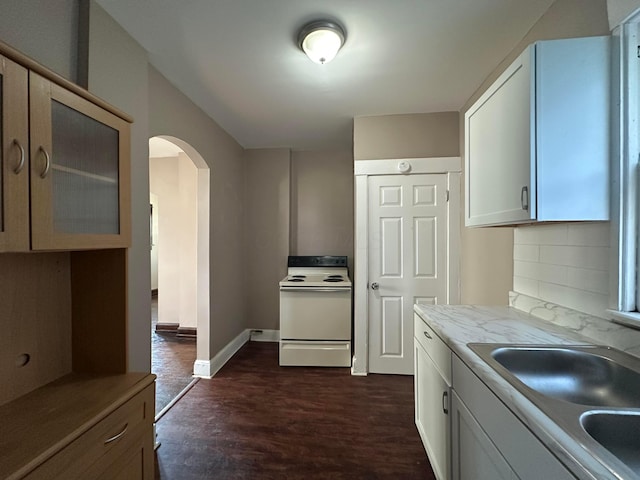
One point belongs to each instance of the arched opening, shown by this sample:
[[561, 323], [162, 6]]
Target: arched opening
[[179, 217]]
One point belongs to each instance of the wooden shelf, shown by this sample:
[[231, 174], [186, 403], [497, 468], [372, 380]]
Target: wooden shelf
[[58, 414]]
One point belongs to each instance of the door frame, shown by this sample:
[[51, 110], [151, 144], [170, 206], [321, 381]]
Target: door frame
[[451, 166]]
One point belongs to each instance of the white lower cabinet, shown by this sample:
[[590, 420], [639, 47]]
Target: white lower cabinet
[[474, 454], [495, 440], [467, 432], [431, 414]]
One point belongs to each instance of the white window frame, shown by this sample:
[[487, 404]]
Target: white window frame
[[625, 152]]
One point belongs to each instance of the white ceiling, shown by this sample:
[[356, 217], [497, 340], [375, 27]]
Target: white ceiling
[[238, 61]]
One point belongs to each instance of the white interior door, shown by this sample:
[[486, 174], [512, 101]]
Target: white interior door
[[408, 249]]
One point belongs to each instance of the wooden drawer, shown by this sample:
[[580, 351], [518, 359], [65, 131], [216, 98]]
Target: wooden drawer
[[109, 439], [437, 350]]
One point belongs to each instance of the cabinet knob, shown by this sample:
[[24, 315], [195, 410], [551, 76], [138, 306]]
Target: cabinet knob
[[375, 286], [524, 198]]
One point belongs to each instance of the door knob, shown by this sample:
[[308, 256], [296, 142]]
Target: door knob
[[375, 286]]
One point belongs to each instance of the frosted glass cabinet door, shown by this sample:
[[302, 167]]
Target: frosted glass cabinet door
[[79, 171], [14, 171]]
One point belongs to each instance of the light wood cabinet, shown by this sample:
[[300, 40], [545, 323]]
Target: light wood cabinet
[[82, 436], [69, 407], [65, 164], [80, 183], [432, 392], [14, 183], [537, 141]]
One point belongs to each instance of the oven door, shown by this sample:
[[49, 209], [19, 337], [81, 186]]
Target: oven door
[[315, 313]]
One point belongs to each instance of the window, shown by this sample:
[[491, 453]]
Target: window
[[625, 278]]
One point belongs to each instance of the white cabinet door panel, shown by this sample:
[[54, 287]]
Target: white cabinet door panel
[[499, 148], [474, 454], [431, 412]]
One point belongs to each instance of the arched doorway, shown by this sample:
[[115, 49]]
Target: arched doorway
[[179, 216]]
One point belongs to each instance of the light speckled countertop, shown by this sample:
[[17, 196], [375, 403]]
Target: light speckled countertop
[[461, 324]]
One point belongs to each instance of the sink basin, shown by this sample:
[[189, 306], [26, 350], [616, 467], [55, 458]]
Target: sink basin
[[577, 376], [591, 392], [617, 432]]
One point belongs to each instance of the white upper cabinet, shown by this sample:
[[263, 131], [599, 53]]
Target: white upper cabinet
[[537, 141]]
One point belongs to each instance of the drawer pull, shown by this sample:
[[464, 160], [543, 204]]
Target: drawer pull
[[426, 334], [117, 436], [445, 402]]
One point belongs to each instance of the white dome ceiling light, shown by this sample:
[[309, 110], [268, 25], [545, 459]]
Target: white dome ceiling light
[[321, 40]]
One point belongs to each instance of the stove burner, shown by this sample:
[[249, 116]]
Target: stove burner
[[298, 276], [296, 279], [334, 276], [333, 279]]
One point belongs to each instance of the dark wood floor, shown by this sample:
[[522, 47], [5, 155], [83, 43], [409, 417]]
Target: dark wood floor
[[171, 360], [256, 420]]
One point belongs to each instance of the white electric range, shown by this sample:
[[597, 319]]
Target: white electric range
[[315, 312]]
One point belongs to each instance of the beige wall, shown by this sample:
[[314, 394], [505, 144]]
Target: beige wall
[[322, 203], [618, 10], [44, 30], [266, 235], [406, 136], [172, 113], [487, 253], [118, 73], [174, 181]]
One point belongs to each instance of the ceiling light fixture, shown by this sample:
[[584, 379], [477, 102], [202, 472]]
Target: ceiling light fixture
[[321, 40]]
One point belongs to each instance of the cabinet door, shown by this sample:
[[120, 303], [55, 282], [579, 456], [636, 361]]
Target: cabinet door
[[431, 415], [14, 171], [473, 455], [80, 179], [500, 149]]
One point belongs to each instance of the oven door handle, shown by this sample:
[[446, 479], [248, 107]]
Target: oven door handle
[[313, 289]]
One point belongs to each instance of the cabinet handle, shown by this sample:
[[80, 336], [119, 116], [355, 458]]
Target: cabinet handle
[[524, 198], [375, 286], [445, 402], [20, 165], [47, 164], [426, 334], [117, 436]]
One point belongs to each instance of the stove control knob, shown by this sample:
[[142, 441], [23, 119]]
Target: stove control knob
[[375, 286]]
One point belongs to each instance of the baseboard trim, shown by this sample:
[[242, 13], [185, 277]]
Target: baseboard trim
[[208, 368], [189, 332], [167, 327], [177, 330], [262, 335]]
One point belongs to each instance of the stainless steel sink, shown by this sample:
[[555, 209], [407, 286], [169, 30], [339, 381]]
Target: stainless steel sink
[[583, 375], [617, 432], [592, 392]]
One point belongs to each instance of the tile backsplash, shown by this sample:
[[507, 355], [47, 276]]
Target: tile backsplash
[[566, 264]]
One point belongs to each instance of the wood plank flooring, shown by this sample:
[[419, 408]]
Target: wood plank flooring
[[257, 420], [171, 360]]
